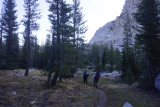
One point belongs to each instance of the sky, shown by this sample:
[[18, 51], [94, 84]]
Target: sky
[[96, 12]]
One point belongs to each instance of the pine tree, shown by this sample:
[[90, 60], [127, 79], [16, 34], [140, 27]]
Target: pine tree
[[35, 61], [118, 59], [111, 57], [67, 48], [129, 77], [10, 27], [128, 58], [127, 40], [104, 60], [1, 42], [79, 29], [148, 37], [47, 52], [98, 63], [93, 54], [59, 19], [30, 22]]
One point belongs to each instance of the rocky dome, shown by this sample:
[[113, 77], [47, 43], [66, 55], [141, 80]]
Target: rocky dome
[[113, 31]]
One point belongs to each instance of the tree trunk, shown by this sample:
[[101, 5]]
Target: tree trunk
[[28, 42], [58, 60], [50, 62], [48, 80], [151, 71], [0, 46], [28, 56], [54, 80]]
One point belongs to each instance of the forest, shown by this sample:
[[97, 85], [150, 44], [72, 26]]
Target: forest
[[65, 52]]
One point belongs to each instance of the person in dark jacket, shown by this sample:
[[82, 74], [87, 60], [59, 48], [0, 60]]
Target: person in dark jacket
[[85, 76], [96, 79]]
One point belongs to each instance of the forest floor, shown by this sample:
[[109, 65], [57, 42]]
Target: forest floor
[[20, 91]]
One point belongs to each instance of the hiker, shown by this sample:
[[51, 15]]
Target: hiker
[[96, 78], [85, 76]]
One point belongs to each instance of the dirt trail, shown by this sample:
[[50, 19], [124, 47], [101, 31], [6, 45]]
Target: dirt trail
[[102, 102]]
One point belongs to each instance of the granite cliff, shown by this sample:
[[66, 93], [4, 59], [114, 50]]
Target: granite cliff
[[113, 31]]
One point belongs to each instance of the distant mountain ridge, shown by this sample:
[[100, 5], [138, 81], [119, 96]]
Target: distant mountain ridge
[[113, 31]]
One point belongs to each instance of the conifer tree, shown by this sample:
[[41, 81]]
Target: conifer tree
[[10, 27], [129, 77], [31, 16], [98, 63], [111, 57], [118, 59], [35, 53], [61, 33], [148, 36], [127, 59], [93, 54], [79, 29], [1, 42], [104, 60]]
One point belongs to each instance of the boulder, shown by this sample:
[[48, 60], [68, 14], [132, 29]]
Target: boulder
[[33, 102], [35, 78], [19, 74], [157, 82], [127, 105], [14, 93], [135, 84]]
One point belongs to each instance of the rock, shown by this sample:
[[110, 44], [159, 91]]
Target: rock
[[14, 93], [38, 84], [15, 71], [113, 31], [19, 74], [157, 82], [33, 102], [103, 74], [135, 84], [35, 78], [112, 78], [112, 74], [127, 105], [15, 83]]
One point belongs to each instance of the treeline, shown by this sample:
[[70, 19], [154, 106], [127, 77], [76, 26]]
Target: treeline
[[64, 47], [104, 57]]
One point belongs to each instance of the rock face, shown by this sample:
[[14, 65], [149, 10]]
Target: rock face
[[157, 82], [127, 105], [113, 31]]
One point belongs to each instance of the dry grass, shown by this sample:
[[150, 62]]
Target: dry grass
[[118, 93], [70, 93]]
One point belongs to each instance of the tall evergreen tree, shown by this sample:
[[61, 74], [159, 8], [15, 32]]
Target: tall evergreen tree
[[79, 29], [1, 41], [98, 63], [93, 54], [104, 60], [10, 27], [118, 59], [35, 62], [148, 17], [127, 44], [127, 40], [31, 16], [54, 17], [111, 57]]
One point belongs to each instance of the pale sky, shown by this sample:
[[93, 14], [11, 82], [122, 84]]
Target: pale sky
[[96, 12]]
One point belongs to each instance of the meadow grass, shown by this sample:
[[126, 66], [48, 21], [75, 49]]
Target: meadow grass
[[119, 93], [69, 93]]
